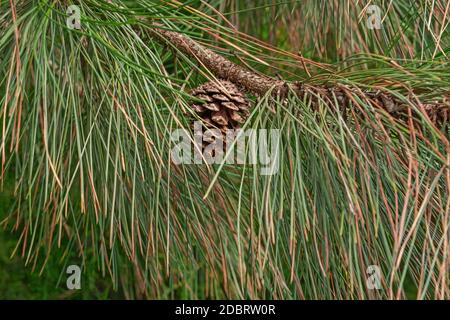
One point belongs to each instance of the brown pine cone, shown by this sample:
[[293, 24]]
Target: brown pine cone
[[224, 107]]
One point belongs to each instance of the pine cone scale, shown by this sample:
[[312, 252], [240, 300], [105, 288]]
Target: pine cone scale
[[230, 105]]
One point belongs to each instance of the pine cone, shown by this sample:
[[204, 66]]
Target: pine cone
[[224, 107]]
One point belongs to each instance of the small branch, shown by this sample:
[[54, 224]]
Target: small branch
[[220, 66], [439, 112]]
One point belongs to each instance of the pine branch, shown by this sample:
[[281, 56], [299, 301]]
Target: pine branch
[[437, 111], [220, 66]]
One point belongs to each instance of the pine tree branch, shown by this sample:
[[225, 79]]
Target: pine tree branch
[[437, 111], [220, 66]]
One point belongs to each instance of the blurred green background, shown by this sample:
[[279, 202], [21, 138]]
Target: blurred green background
[[18, 281]]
